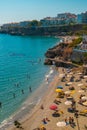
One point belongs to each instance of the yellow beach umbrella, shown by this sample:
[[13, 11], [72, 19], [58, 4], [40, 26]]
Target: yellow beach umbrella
[[84, 111], [72, 92], [58, 90]]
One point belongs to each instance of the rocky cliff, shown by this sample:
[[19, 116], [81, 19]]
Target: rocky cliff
[[39, 30]]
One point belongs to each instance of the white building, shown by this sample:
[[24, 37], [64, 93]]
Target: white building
[[67, 17], [61, 19], [49, 21]]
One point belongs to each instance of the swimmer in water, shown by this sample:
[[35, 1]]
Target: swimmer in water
[[22, 91], [30, 89], [0, 104]]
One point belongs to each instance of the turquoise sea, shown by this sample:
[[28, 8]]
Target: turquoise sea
[[21, 67]]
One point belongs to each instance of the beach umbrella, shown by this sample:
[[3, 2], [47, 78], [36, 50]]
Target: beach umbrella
[[85, 76], [84, 98], [61, 124], [80, 84], [59, 87], [68, 75], [72, 92], [81, 91], [71, 73], [79, 73], [85, 103], [84, 111], [69, 83], [53, 107], [58, 90], [68, 103]]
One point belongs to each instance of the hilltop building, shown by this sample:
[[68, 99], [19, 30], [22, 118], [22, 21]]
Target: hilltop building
[[67, 17], [61, 19]]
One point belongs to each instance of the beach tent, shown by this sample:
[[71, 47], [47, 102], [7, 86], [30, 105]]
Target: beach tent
[[59, 87], [53, 107]]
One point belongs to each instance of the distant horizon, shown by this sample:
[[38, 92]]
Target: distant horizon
[[12, 11]]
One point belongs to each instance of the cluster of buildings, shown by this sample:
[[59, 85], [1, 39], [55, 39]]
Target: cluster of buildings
[[60, 19], [65, 18]]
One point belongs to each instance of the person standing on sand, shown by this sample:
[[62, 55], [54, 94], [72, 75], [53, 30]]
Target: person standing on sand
[[70, 120], [42, 106], [66, 121]]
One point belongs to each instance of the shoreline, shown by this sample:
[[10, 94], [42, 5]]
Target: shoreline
[[39, 103]]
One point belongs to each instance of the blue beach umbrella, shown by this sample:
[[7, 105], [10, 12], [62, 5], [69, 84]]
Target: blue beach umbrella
[[60, 87]]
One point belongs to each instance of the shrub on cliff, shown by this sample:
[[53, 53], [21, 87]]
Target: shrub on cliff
[[75, 42]]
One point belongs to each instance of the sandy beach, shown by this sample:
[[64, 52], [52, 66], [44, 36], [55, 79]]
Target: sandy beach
[[30, 122]]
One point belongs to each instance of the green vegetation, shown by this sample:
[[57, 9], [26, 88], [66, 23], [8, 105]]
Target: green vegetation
[[35, 23], [77, 63], [81, 32], [76, 42], [85, 54]]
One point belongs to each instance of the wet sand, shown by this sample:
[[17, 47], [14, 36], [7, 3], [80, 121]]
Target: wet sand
[[34, 120]]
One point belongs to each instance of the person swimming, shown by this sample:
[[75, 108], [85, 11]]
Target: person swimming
[[30, 89], [22, 91], [0, 104]]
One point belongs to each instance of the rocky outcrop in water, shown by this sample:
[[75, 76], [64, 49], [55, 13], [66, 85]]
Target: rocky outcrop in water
[[56, 51], [48, 61]]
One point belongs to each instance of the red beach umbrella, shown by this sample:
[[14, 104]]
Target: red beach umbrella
[[53, 107]]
